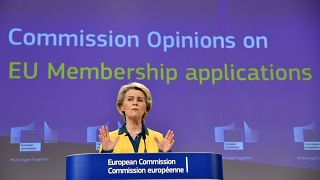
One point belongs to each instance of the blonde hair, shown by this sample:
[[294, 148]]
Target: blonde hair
[[137, 86]]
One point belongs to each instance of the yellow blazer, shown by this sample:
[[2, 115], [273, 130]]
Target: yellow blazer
[[124, 145]]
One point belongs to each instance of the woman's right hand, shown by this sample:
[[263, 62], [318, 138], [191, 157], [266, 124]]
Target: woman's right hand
[[105, 140]]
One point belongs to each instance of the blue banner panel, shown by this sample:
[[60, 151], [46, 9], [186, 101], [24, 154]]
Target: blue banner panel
[[144, 166]]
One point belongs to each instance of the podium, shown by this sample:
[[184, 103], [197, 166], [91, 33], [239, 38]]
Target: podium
[[144, 166]]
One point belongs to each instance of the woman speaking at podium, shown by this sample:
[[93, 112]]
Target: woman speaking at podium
[[134, 102]]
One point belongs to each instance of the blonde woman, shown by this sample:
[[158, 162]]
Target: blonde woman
[[134, 103]]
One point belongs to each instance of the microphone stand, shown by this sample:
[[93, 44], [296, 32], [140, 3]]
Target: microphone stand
[[144, 138]]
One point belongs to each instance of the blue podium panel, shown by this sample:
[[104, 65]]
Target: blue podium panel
[[144, 166]]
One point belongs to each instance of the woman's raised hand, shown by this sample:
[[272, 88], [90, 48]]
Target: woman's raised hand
[[105, 140], [166, 143]]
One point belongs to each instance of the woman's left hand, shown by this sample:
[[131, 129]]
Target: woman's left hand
[[166, 143]]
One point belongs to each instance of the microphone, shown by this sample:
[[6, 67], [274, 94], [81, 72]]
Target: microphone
[[144, 137]]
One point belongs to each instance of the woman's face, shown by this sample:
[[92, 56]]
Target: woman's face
[[134, 104]]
